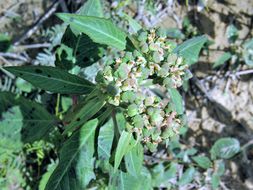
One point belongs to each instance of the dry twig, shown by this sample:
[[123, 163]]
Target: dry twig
[[38, 23]]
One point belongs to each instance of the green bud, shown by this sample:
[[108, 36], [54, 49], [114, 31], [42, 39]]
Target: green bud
[[153, 46], [163, 72], [175, 125], [128, 96], [139, 98], [170, 45], [149, 101], [122, 72], [187, 75], [144, 48], [143, 36], [108, 73], [132, 110], [171, 59], [157, 57], [156, 118], [129, 127], [138, 121], [100, 77], [152, 146], [161, 32], [168, 133], [168, 83], [147, 132], [112, 90], [137, 53], [157, 100], [168, 109], [156, 134], [128, 56], [150, 111]]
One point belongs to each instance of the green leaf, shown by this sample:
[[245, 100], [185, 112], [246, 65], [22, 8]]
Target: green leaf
[[83, 113], [135, 26], [134, 159], [174, 33], [123, 181], [92, 8], [222, 59], [7, 100], [225, 148], [190, 49], [105, 140], [187, 176], [248, 52], [66, 103], [35, 120], [171, 172], [219, 166], [162, 176], [52, 79], [76, 163], [77, 50], [5, 42], [215, 181], [100, 30], [23, 85], [46, 176], [203, 161], [232, 33], [125, 144], [176, 101]]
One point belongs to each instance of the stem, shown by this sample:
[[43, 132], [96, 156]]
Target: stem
[[57, 105], [116, 127], [248, 144]]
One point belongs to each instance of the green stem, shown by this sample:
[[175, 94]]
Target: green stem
[[57, 105], [116, 127]]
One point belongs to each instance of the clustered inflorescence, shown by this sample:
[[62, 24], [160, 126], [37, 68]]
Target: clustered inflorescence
[[149, 116]]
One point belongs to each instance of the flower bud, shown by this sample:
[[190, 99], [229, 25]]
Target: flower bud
[[139, 98], [154, 46], [132, 110], [143, 36], [168, 82], [129, 127], [112, 90], [145, 48], [156, 134], [128, 96], [100, 77], [149, 101], [171, 59], [168, 133], [138, 121], [156, 119], [152, 146], [157, 58], [122, 71]]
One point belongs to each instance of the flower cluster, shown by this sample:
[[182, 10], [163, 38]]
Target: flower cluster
[[148, 116]]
